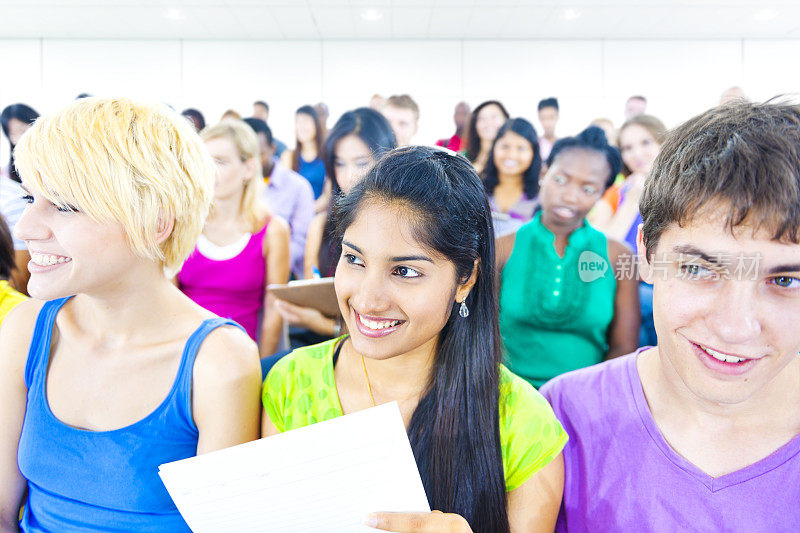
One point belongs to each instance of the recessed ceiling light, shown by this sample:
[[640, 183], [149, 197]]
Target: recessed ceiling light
[[173, 14], [371, 14], [571, 14], [766, 14]]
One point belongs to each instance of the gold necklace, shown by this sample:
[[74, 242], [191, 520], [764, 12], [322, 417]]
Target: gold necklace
[[369, 387]]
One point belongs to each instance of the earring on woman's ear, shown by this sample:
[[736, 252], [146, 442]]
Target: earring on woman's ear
[[463, 311]]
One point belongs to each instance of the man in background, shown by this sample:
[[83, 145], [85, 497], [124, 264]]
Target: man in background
[[457, 143], [548, 118], [261, 112], [636, 105], [402, 113], [288, 194]]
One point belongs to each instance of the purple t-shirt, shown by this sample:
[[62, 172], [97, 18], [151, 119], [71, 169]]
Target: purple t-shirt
[[621, 475]]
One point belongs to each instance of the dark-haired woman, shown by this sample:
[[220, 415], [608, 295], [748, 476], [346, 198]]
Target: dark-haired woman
[[568, 294], [306, 158], [485, 122], [511, 177], [15, 120], [9, 298], [415, 283], [352, 147]]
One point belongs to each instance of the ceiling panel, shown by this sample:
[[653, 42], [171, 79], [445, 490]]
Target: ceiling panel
[[400, 19]]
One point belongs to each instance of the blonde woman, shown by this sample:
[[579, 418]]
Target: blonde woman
[[117, 371], [242, 248]]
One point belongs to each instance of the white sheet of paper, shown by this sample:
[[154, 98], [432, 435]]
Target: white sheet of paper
[[323, 477]]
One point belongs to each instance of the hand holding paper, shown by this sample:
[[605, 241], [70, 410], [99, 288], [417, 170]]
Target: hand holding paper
[[323, 477]]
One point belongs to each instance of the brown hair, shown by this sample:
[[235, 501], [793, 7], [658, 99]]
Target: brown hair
[[743, 156], [655, 127], [403, 101]]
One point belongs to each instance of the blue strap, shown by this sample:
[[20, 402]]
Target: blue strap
[[39, 351], [186, 370]]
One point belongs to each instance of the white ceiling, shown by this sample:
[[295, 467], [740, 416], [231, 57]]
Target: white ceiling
[[399, 19]]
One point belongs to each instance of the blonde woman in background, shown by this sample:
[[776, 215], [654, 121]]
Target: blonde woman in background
[[242, 248], [112, 371]]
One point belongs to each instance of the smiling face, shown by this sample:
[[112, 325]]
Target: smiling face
[[394, 294], [638, 148], [489, 121], [71, 253], [352, 159], [726, 308], [513, 154], [571, 187]]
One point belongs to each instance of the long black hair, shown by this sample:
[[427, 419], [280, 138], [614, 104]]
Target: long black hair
[[473, 140], [23, 113], [594, 139], [374, 130], [6, 250], [530, 178], [454, 431]]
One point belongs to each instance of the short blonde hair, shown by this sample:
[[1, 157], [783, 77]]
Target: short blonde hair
[[246, 143], [123, 161]]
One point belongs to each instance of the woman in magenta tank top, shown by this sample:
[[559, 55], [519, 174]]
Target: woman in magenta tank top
[[242, 248]]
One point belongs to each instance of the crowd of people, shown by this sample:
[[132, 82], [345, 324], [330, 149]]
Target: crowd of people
[[583, 333]]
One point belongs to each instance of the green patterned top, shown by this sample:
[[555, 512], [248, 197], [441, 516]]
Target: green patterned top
[[555, 311], [300, 390]]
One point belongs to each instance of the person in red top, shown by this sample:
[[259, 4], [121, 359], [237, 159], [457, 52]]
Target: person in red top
[[457, 143]]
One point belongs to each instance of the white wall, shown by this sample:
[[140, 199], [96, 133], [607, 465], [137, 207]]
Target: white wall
[[591, 78]]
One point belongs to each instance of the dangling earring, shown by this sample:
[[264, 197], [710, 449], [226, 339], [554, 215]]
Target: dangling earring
[[463, 311]]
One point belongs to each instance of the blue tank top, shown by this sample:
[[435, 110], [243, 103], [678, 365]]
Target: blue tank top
[[103, 480], [314, 172]]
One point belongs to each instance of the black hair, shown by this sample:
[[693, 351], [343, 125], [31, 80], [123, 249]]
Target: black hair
[[259, 126], [374, 130], [82, 96], [23, 113], [196, 117], [592, 138], [548, 102], [454, 431], [6, 250], [530, 178], [261, 103], [472, 139]]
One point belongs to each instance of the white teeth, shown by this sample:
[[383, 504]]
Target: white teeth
[[374, 324], [723, 357], [48, 260]]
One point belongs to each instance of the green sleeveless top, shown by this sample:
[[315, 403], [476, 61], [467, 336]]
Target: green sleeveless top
[[300, 391], [554, 311]]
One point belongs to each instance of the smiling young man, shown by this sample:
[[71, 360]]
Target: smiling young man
[[700, 433]]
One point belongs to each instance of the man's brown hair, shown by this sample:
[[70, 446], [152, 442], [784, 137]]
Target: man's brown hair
[[743, 156], [403, 101]]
